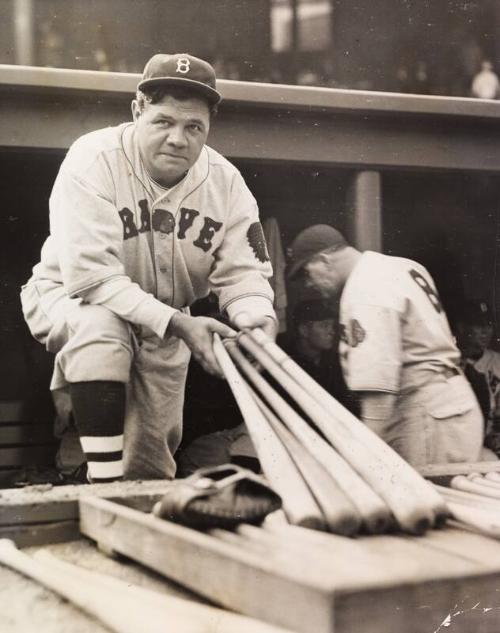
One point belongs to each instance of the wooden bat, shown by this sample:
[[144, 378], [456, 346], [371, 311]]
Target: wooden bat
[[411, 499], [298, 503], [460, 482], [374, 512], [340, 513], [488, 523], [483, 481], [471, 499], [342, 415], [493, 476], [422, 489], [123, 607]]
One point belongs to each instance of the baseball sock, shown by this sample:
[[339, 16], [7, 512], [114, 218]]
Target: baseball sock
[[99, 412]]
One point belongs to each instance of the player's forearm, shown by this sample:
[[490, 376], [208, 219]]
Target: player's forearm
[[377, 408], [126, 299]]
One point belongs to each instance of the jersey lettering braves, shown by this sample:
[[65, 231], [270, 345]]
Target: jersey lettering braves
[[394, 332]]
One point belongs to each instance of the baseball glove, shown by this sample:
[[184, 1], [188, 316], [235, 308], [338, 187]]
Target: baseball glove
[[220, 496]]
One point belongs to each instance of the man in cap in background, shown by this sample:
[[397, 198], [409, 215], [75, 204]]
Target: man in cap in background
[[144, 219], [313, 344], [481, 364], [397, 350]]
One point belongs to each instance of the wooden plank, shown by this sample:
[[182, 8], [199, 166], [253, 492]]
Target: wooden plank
[[27, 434], [398, 598], [12, 411], [41, 533], [465, 545], [45, 503], [224, 572], [377, 561], [27, 455], [462, 468], [466, 605]]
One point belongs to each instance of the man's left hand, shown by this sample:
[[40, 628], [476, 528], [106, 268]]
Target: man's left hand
[[246, 321]]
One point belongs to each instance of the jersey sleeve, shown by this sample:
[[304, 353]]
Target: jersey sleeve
[[242, 268], [371, 349], [88, 236], [86, 228]]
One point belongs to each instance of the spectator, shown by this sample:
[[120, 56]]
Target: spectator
[[314, 345], [481, 365], [485, 84]]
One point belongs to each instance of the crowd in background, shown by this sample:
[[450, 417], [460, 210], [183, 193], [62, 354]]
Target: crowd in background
[[465, 63], [475, 78]]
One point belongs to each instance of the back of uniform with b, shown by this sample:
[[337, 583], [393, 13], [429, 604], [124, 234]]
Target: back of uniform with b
[[395, 338]]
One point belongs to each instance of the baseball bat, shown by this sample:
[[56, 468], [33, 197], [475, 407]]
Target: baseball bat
[[298, 503], [124, 607], [471, 499], [400, 468], [120, 616], [486, 522], [483, 481], [342, 415], [493, 476], [340, 514], [374, 512], [460, 482], [410, 498]]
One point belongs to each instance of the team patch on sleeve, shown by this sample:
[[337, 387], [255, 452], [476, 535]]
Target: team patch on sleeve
[[354, 334], [257, 241]]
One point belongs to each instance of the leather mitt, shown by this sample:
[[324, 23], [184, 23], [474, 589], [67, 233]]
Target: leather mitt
[[221, 496]]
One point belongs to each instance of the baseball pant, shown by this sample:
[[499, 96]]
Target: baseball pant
[[440, 422], [91, 343]]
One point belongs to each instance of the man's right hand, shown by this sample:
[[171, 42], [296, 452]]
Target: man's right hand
[[197, 333]]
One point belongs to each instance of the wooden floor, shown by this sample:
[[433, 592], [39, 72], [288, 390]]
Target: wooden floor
[[27, 607]]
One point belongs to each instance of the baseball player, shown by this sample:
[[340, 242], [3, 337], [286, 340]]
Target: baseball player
[[144, 219], [314, 346], [396, 347], [481, 365]]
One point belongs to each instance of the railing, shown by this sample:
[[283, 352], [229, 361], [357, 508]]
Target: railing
[[47, 108]]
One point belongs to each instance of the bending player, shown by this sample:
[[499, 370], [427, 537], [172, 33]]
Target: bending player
[[144, 219], [396, 348]]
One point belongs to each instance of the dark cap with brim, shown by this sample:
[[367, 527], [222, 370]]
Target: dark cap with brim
[[181, 69], [313, 310], [309, 243], [476, 313]]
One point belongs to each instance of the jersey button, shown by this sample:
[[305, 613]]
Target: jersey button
[[163, 269]]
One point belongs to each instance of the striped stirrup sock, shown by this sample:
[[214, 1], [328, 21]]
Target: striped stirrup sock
[[99, 412]]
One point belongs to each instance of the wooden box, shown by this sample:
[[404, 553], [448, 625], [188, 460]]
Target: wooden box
[[312, 582]]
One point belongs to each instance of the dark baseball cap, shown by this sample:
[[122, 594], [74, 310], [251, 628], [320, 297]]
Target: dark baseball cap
[[181, 69], [476, 313], [313, 310], [311, 241]]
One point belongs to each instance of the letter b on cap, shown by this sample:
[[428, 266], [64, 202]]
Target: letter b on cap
[[183, 65]]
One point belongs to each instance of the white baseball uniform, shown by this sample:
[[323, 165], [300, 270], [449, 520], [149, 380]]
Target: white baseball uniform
[[396, 339], [122, 256]]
